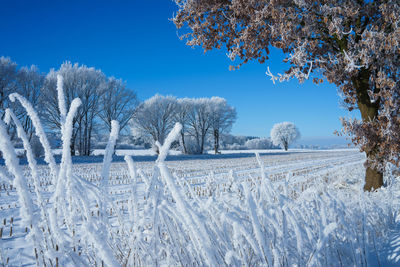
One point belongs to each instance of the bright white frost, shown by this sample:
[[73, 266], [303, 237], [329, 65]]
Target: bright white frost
[[258, 143], [48, 156], [303, 212], [108, 154], [154, 118], [43, 238], [61, 98], [283, 134], [199, 117]]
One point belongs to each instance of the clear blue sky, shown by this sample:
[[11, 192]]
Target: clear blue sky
[[136, 41]]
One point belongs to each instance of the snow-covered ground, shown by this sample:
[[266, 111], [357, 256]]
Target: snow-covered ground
[[299, 207], [140, 155]]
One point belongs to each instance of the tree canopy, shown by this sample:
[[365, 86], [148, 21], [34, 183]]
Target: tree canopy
[[352, 43], [283, 134]]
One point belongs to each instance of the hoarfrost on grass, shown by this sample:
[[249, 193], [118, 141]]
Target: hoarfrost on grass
[[299, 213]]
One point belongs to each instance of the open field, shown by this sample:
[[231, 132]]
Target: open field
[[287, 208], [196, 170]]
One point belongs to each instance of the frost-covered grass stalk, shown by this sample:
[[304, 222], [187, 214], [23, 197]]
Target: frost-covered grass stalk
[[105, 173], [63, 225], [254, 221], [191, 219], [48, 155], [314, 218], [48, 239], [133, 207], [27, 211]]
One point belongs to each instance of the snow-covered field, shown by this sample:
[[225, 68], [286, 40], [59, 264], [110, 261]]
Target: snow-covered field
[[301, 207]]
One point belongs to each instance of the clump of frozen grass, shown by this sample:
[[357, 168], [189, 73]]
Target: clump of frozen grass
[[27, 211], [316, 219], [65, 228], [258, 222], [39, 132]]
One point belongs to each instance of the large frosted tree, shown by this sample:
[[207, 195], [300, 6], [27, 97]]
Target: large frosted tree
[[154, 118], [29, 82], [184, 106], [199, 121], [117, 103], [222, 118], [25, 81], [8, 76], [89, 84], [283, 134], [353, 44]]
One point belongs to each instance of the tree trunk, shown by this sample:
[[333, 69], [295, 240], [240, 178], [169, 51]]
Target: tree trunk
[[74, 141], [369, 111], [285, 145], [373, 179], [183, 142], [203, 136], [72, 147], [89, 145], [216, 141]]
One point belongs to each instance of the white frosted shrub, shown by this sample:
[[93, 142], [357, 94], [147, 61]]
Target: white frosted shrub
[[234, 146], [258, 143]]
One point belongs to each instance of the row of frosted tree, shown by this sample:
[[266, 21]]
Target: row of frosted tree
[[103, 99], [200, 118]]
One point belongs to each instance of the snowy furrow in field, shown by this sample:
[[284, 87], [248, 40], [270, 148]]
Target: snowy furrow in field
[[301, 170], [295, 163], [294, 168]]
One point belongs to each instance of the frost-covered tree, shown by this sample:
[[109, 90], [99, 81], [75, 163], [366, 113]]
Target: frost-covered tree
[[154, 118], [199, 121], [353, 44], [29, 82], [222, 118], [234, 141], [284, 133], [184, 105], [198, 117], [117, 103], [8, 75], [78, 81]]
